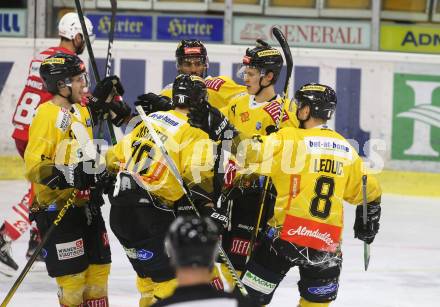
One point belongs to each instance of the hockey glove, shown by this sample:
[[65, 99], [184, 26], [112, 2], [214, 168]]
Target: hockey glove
[[152, 103], [367, 232], [70, 176], [103, 102], [119, 111], [105, 90], [212, 121], [105, 182]]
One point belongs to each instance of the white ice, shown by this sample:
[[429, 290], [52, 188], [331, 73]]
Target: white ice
[[404, 269]]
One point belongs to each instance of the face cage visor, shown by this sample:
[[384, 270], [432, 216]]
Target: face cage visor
[[83, 77], [241, 73]]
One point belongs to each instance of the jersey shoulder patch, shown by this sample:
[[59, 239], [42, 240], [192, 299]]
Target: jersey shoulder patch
[[63, 120], [273, 109], [214, 84]]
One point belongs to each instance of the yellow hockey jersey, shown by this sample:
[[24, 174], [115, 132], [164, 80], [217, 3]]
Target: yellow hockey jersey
[[314, 171], [51, 141], [190, 149], [253, 117], [221, 90]]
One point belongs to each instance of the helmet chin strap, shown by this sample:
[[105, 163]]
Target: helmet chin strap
[[262, 87], [69, 98]]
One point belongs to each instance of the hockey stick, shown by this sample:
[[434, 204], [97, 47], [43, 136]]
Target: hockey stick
[[92, 55], [87, 40], [289, 62], [172, 166], [364, 219], [108, 62], [111, 37], [37, 251]]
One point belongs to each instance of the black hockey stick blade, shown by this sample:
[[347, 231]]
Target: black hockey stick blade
[[289, 63], [287, 54], [364, 219]]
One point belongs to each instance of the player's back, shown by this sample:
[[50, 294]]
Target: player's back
[[317, 170], [188, 147]]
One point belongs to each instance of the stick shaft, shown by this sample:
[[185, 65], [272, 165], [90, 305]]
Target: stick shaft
[[364, 220], [38, 249]]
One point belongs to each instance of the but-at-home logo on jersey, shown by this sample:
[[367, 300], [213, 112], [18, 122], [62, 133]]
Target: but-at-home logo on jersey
[[416, 117]]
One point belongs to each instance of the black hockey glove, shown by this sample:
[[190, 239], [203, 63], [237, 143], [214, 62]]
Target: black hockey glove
[[105, 90], [212, 121], [105, 182], [119, 111], [76, 176], [367, 232], [152, 103], [102, 101]]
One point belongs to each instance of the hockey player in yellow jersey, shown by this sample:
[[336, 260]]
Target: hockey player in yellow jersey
[[314, 169], [77, 253], [257, 111], [148, 197], [259, 108], [192, 59]]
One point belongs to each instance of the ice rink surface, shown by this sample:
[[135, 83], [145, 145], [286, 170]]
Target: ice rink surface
[[404, 268]]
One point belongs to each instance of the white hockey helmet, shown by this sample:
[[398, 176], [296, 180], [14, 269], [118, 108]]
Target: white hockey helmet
[[69, 26]]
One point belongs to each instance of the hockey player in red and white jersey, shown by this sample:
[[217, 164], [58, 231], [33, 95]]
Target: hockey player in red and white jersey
[[34, 94]]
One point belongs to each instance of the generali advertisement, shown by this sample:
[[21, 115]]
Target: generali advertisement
[[388, 103], [316, 33]]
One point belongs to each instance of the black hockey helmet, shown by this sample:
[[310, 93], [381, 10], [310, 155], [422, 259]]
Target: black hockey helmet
[[188, 90], [321, 99], [192, 242], [191, 48], [264, 58], [57, 70]]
